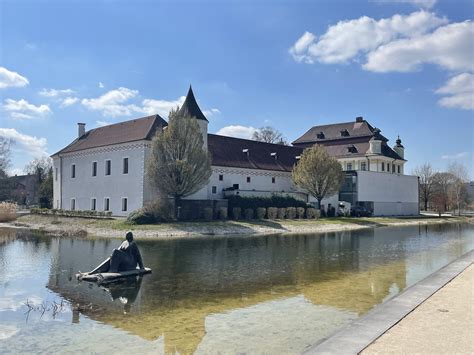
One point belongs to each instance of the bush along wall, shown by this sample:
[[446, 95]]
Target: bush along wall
[[69, 213], [256, 202]]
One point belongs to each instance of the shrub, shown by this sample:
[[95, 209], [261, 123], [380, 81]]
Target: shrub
[[311, 213], [223, 213], [7, 211], [300, 212], [255, 202], [281, 214], [261, 212], [236, 211], [272, 212], [208, 214], [160, 210], [322, 213], [248, 213], [291, 212], [69, 213]]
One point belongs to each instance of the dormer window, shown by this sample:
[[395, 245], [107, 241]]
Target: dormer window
[[274, 155], [351, 149], [344, 133], [320, 135]]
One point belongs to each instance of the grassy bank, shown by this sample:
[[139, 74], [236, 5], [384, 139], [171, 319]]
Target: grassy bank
[[69, 226]]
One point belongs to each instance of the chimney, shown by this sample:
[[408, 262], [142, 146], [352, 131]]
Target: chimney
[[81, 129], [359, 119]]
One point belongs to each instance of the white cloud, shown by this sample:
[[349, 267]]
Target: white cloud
[[211, 112], [11, 79], [101, 85], [8, 331], [348, 39], [237, 131], [68, 101], [113, 102], [161, 107], [460, 91], [55, 93], [426, 4], [31, 145], [451, 47], [455, 156], [22, 109]]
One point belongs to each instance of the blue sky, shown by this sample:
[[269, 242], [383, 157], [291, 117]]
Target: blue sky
[[405, 66]]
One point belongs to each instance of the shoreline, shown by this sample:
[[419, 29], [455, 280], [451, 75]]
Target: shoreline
[[115, 228]]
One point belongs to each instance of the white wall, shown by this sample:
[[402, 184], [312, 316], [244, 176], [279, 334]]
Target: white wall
[[116, 186], [392, 194]]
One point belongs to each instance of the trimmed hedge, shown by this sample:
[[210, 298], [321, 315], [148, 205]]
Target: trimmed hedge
[[261, 212], [272, 212], [223, 213], [300, 212], [248, 213], [256, 202], [291, 213], [69, 213], [236, 212], [281, 213], [311, 213]]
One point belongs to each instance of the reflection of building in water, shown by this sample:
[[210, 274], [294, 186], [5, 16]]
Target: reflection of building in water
[[193, 279]]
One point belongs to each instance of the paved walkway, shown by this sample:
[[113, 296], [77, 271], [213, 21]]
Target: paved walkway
[[443, 324]]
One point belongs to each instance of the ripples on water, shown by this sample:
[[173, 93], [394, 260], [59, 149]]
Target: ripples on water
[[272, 294]]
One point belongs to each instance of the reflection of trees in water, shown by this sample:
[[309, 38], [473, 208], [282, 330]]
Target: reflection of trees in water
[[197, 277]]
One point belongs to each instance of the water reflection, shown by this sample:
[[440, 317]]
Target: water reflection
[[247, 294]]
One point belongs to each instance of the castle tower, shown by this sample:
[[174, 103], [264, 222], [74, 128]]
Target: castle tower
[[399, 148], [376, 143], [190, 108]]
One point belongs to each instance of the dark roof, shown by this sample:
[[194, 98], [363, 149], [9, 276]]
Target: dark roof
[[333, 132], [123, 132], [191, 108], [228, 151], [361, 148]]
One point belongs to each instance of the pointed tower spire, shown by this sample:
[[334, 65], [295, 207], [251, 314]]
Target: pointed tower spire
[[191, 108]]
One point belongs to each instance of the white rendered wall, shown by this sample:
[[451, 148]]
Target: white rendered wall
[[116, 186], [392, 194]]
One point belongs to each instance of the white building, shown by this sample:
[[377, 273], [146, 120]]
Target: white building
[[104, 168]]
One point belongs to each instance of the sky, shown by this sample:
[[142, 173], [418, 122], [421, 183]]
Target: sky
[[406, 66]]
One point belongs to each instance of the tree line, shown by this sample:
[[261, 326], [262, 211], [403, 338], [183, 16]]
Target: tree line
[[442, 191]]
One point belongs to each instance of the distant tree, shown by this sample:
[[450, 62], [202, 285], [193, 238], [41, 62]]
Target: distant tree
[[441, 196], [458, 190], [4, 156], [39, 167], [318, 173], [179, 165], [45, 193], [426, 178], [269, 135]]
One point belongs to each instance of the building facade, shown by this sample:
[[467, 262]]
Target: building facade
[[104, 168]]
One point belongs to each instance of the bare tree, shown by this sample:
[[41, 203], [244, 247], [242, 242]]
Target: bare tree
[[318, 173], [458, 190], [269, 135], [441, 194], [179, 165], [40, 167], [4, 156], [426, 178]]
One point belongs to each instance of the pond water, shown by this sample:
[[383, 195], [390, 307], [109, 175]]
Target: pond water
[[265, 294]]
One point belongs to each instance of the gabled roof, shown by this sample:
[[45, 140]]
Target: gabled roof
[[333, 132], [191, 108], [228, 152], [123, 132]]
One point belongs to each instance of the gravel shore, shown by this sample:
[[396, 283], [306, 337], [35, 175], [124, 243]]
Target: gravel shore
[[115, 228]]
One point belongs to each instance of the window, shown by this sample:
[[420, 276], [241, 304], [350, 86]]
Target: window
[[93, 204], [73, 171], [248, 178], [56, 174], [363, 166], [214, 189], [393, 168], [388, 167], [273, 180], [108, 167], [94, 168], [125, 166], [398, 169], [349, 166], [221, 177], [124, 204], [73, 204], [383, 166], [235, 186], [106, 204]]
